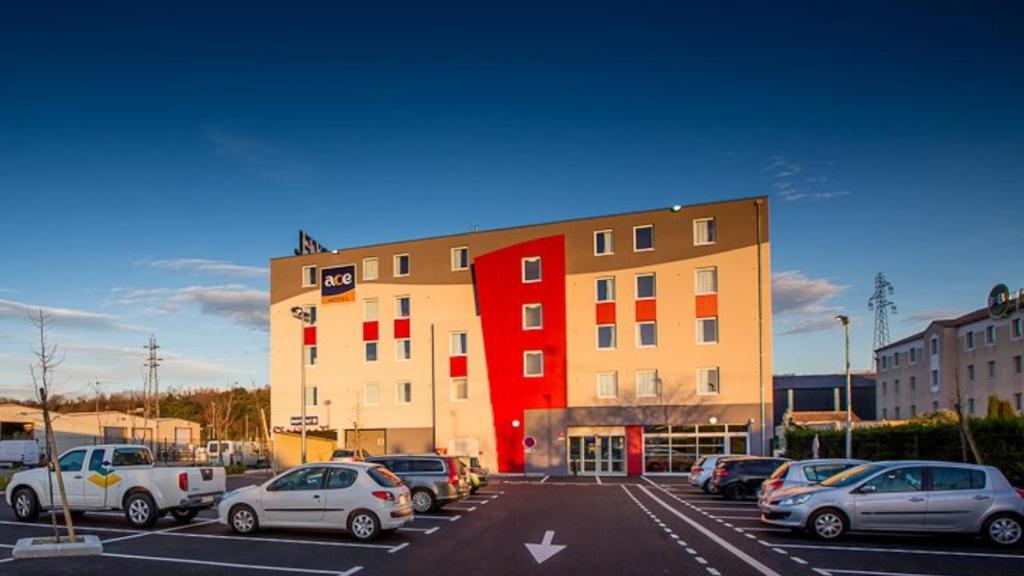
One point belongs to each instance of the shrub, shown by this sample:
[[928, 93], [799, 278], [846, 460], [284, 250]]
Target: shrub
[[232, 469], [5, 479]]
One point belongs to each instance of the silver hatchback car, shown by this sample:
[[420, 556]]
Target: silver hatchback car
[[804, 473], [904, 496]]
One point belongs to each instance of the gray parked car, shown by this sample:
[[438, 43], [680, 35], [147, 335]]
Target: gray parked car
[[804, 473], [904, 496], [433, 480]]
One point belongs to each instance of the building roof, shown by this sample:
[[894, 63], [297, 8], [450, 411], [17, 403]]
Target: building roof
[[963, 320], [819, 416], [813, 381]]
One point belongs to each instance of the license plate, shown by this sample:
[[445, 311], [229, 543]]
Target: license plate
[[206, 499]]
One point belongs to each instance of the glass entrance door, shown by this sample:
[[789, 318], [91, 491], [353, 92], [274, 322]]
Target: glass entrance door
[[597, 454]]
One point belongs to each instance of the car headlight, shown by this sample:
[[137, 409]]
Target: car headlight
[[795, 500]]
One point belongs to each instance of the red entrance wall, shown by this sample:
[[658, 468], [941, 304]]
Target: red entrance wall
[[501, 294], [634, 450]]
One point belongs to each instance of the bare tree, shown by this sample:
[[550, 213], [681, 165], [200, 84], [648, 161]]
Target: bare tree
[[966, 436], [47, 358]]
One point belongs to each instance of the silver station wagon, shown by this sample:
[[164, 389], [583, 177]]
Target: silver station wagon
[[904, 496]]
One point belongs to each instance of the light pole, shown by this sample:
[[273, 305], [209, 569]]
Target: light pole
[[302, 316], [849, 397]]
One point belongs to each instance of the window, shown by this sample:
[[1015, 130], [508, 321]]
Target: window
[[970, 406], [531, 269], [991, 368], [310, 354], [308, 276], [935, 380], [606, 289], [647, 383], [606, 336], [913, 382], [400, 265], [96, 460], [885, 413], [604, 242], [885, 361], [72, 461], [370, 349], [311, 396], [707, 381], [704, 232], [935, 405], [646, 334], [301, 479], [371, 269], [403, 392], [897, 412], [607, 384], [460, 389], [896, 386], [341, 478], [707, 330], [935, 345], [458, 344], [533, 317], [949, 478], [970, 372], [707, 281], [643, 238], [460, 258], [403, 307], [823, 472], [403, 349], [896, 360], [371, 310], [645, 286], [969, 340], [898, 480], [310, 315], [913, 355], [372, 393], [1017, 328], [885, 388], [1017, 364], [913, 410], [533, 364], [1017, 399], [990, 335]]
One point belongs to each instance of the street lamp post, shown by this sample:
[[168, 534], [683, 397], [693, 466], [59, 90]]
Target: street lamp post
[[849, 396], [302, 316]]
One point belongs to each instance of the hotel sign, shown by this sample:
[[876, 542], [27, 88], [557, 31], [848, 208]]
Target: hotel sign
[[1001, 303], [338, 284]]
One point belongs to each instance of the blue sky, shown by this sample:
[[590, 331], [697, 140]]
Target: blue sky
[[152, 159]]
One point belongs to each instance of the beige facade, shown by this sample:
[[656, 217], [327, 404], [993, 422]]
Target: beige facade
[[422, 403], [982, 355]]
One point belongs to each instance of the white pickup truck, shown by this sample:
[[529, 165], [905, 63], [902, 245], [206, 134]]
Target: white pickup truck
[[117, 477]]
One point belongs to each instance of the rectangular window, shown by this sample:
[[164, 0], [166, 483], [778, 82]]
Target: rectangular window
[[310, 354], [990, 335], [643, 238], [707, 381], [1017, 364], [371, 269], [896, 360], [460, 389], [401, 265], [935, 405], [896, 387], [935, 345], [1017, 327], [606, 337], [935, 379], [460, 258], [606, 289], [704, 232], [533, 364], [310, 319], [371, 393], [913, 382], [885, 361], [991, 368], [403, 307], [885, 388], [707, 281], [403, 349], [370, 351], [969, 340], [308, 276], [913, 355], [531, 269], [533, 317], [897, 412], [311, 396], [604, 242], [1017, 399], [647, 383], [913, 410], [707, 330], [970, 372], [885, 413], [371, 310], [645, 286], [607, 384], [646, 334], [459, 343], [403, 392], [970, 406]]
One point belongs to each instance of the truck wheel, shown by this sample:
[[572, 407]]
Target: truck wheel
[[26, 505], [140, 510], [423, 500], [363, 525], [243, 519], [184, 516]]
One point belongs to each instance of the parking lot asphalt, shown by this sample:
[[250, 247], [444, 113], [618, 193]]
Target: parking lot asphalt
[[606, 525]]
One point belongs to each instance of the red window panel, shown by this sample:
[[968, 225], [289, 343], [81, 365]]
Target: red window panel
[[457, 366], [309, 336], [606, 312], [371, 331], [402, 328], [707, 305], [646, 310]]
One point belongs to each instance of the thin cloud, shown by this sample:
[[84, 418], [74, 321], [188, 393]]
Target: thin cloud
[[786, 180], [64, 317], [243, 305], [928, 315], [211, 267], [801, 303], [257, 156]]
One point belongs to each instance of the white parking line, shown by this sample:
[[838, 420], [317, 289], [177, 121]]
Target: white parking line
[[903, 551], [750, 560], [544, 479], [598, 478], [750, 518], [397, 548], [273, 540], [411, 529], [837, 571], [83, 528], [348, 572], [446, 518], [470, 509], [164, 531]]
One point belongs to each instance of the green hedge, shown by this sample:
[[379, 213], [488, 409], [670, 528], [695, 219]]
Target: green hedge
[[1000, 440]]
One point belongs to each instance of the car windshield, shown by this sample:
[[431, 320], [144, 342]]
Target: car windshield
[[384, 477], [343, 453], [851, 475]]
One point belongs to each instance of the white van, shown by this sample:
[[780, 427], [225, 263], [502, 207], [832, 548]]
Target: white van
[[243, 452], [19, 453]]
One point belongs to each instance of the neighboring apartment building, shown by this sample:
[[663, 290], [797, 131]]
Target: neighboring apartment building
[[619, 344], [981, 350]]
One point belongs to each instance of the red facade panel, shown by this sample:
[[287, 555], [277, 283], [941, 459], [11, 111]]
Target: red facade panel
[[606, 312], [402, 328], [634, 450], [309, 336], [371, 331], [646, 310], [501, 295], [457, 366], [707, 305]]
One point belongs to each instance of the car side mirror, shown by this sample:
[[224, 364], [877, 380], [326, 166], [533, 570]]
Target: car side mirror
[[106, 463], [869, 489]]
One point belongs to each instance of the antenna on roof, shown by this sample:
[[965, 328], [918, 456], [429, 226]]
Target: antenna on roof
[[880, 304]]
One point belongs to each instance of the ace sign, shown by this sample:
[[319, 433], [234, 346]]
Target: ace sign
[[338, 284]]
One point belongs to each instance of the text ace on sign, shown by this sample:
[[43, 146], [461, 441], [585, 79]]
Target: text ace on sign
[[338, 284]]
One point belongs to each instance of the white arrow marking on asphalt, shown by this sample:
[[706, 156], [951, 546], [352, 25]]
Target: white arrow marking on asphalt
[[545, 549]]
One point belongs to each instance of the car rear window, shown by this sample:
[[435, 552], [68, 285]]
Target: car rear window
[[427, 465], [949, 478], [384, 477], [780, 471], [132, 457]]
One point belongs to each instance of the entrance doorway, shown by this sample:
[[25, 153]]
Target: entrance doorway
[[597, 454]]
